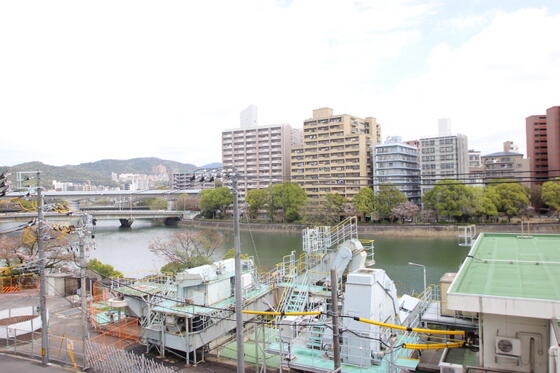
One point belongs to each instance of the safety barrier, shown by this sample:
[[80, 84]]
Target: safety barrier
[[17, 283]]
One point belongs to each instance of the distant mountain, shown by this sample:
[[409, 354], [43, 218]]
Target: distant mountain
[[99, 172], [212, 165], [133, 166], [63, 173]]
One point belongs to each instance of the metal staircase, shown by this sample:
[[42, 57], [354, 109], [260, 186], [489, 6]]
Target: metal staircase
[[295, 296], [316, 242], [154, 320], [316, 332], [320, 239]]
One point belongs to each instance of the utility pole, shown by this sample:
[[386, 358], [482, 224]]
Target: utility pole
[[334, 310], [82, 233], [238, 293], [42, 280]]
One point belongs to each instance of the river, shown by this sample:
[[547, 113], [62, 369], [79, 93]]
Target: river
[[128, 251]]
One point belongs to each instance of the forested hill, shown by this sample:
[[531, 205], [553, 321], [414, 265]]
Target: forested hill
[[99, 172]]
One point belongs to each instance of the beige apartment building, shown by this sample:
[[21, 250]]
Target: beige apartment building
[[507, 164], [260, 154], [335, 156]]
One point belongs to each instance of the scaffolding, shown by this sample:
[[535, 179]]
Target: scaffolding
[[110, 323]]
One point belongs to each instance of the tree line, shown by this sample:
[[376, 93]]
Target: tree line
[[447, 201]]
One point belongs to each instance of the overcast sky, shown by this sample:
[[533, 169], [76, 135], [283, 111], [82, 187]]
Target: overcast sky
[[83, 81]]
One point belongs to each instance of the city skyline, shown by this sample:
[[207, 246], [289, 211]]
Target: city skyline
[[133, 88]]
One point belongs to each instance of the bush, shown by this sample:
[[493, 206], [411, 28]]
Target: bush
[[104, 270]]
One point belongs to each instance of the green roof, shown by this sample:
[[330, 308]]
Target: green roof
[[512, 265]]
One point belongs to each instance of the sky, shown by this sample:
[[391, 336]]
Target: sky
[[83, 81]]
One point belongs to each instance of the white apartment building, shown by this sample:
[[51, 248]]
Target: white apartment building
[[203, 179], [260, 154], [443, 158], [396, 163], [475, 164]]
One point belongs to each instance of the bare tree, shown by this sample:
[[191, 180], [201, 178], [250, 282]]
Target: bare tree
[[186, 202], [188, 248], [22, 248]]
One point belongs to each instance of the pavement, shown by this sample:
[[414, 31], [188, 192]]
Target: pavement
[[12, 364], [65, 321]]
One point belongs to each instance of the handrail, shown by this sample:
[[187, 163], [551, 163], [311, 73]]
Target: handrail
[[491, 370], [431, 346], [269, 313], [417, 330]]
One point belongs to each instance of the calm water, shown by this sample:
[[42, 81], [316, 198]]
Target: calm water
[[128, 251]]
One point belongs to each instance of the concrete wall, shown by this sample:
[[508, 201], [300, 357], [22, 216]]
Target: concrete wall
[[24, 327], [410, 230], [531, 332]]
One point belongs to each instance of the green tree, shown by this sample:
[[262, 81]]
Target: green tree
[[364, 202], [325, 210], [105, 270], [387, 199], [535, 197], [450, 198], [510, 198], [215, 201], [550, 194], [289, 198], [336, 205], [231, 254], [257, 199], [157, 204], [173, 267], [484, 202]]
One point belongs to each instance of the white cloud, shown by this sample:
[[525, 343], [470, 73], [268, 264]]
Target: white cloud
[[488, 85], [470, 22], [119, 79]]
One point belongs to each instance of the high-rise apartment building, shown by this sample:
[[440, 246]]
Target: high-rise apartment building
[[543, 144], [202, 179], [335, 156], [396, 163], [443, 158], [261, 154]]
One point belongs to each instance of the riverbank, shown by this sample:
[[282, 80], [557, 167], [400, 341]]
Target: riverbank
[[399, 230]]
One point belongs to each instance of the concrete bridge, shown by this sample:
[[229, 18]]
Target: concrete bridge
[[78, 195], [126, 217]]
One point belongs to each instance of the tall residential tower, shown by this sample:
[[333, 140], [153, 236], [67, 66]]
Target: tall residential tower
[[443, 158], [335, 156], [260, 154], [543, 144]]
